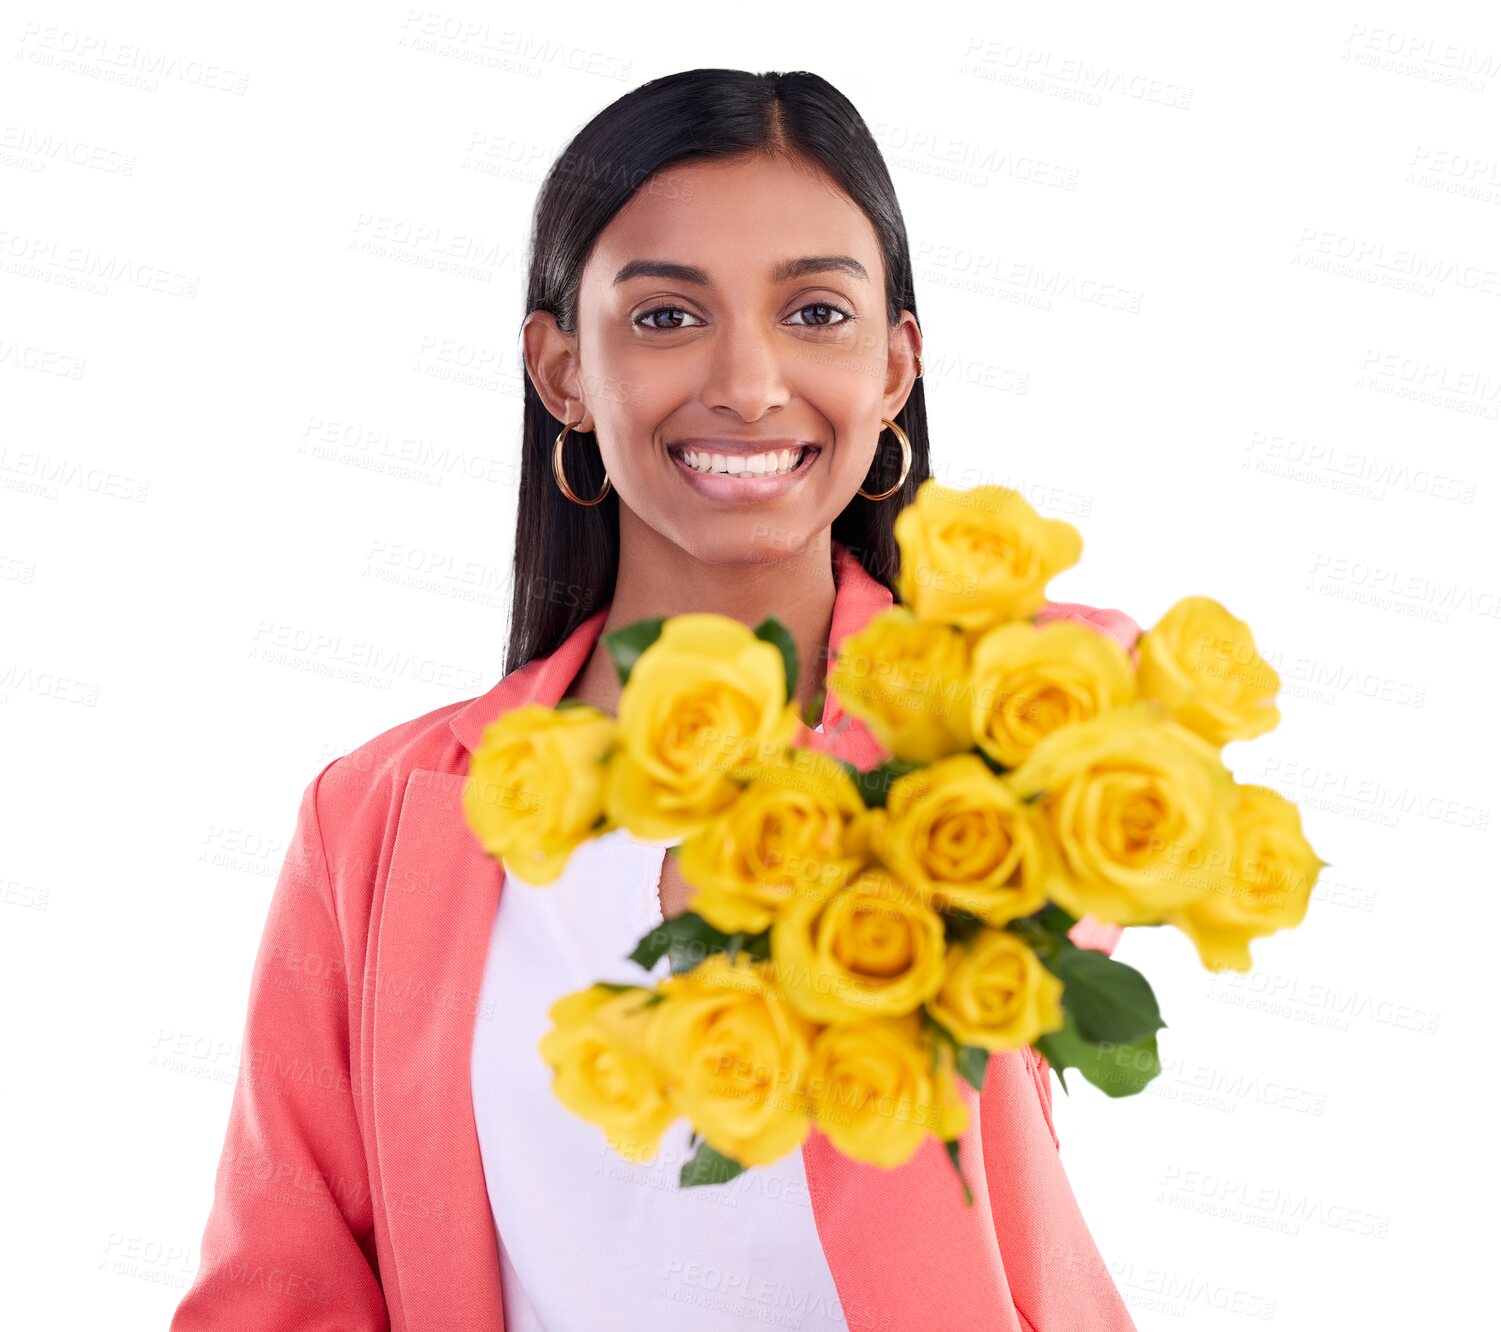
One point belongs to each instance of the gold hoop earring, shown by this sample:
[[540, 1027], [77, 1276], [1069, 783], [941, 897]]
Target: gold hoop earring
[[906, 444], [919, 365], [557, 469]]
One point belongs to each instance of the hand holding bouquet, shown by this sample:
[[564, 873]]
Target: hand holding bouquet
[[858, 940]]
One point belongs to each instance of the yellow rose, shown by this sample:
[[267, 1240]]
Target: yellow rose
[[788, 835], [1139, 810], [978, 557], [871, 948], [1268, 888], [703, 701], [964, 841], [875, 1092], [952, 1116], [907, 680], [734, 1055], [536, 786], [1201, 664], [997, 994], [601, 1071], [1028, 680]]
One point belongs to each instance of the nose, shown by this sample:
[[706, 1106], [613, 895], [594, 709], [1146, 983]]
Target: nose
[[746, 371]]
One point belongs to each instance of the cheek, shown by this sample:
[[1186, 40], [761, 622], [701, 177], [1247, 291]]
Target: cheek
[[631, 419], [628, 388], [855, 449]]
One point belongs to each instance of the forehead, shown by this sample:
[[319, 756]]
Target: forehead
[[736, 220]]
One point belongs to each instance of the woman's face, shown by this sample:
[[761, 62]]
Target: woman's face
[[734, 308]]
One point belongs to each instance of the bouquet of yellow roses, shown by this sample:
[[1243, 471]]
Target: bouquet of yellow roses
[[858, 940]]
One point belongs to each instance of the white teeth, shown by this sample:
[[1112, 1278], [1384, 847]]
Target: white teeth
[[777, 463]]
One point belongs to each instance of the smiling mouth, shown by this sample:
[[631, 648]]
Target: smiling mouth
[[777, 462]]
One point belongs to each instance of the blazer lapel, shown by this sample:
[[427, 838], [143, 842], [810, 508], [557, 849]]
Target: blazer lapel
[[435, 911]]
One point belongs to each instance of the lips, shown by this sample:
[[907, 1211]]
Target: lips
[[728, 488], [728, 444], [679, 453]]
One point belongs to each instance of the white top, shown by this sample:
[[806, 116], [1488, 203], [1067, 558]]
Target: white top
[[588, 1241]]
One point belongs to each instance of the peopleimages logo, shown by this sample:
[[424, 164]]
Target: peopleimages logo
[[101, 56]]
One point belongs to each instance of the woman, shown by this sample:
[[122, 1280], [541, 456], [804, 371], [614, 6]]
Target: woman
[[723, 412]]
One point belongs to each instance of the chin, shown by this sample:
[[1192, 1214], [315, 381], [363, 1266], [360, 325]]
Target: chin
[[752, 540]]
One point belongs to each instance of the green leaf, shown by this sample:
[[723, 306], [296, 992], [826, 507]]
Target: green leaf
[[936, 1032], [626, 645], [688, 939], [952, 1146], [995, 765], [649, 998], [813, 713], [1117, 1069], [874, 785], [1055, 920], [1108, 1000], [756, 946], [772, 630], [960, 926], [972, 1062], [708, 1167]]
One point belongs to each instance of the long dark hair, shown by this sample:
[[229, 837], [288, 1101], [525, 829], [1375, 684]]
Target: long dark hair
[[567, 554]]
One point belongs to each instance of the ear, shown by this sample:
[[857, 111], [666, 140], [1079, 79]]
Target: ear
[[552, 362], [902, 351]]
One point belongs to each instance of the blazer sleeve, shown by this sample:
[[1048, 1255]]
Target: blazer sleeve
[[1059, 1282], [289, 1242]]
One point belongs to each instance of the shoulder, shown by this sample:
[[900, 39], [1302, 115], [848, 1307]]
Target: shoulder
[[354, 801], [384, 761], [1113, 623]]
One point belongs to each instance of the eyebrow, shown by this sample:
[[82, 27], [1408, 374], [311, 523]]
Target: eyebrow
[[784, 271]]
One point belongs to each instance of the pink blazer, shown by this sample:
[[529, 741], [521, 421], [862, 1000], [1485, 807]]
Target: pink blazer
[[350, 1194]]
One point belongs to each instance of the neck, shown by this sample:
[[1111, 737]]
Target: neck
[[657, 577]]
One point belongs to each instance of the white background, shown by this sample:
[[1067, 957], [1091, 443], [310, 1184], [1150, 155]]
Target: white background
[[1237, 319]]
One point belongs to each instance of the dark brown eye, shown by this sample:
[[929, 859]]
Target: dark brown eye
[[651, 315], [826, 308]]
